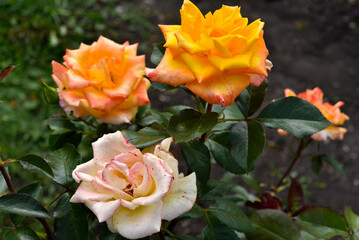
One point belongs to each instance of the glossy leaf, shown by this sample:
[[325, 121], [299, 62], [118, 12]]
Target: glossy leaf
[[228, 112], [231, 215], [50, 93], [306, 236], [218, 232], [251, 98], [195, 212], [213, 189], [161, 119], [246, 142], [252, 182], [22, 204], [22, 233], [197, 157], [294, 115], [323, 222], [145, 137], [273, 225], [70, 220], [190, 124], [295, 196], [34, 190], [6, 71], [37, 161], [63, 162], [222, 156]]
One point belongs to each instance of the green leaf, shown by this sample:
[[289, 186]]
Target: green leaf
[[246, 143], [294, 115], [38, 162], [50, 93], [197, 157], [34, 190], [195, 212], [157, 53], [219, 232], [190, 124], [352, 219], [22, 233], [228, 112], [323, 222], [22, 204], [70, 220], [213, 189], [252, 182], [59, 124], [306, 236], [145, 137], [231, 215], [63, 162], [222, 156], [273, 225], [163, 87], [57, 141], [251, 98], [161, 119], [331, 161]]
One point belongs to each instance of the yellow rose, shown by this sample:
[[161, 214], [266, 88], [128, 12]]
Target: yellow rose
[[216, 56], [331, 112], [104, 80]]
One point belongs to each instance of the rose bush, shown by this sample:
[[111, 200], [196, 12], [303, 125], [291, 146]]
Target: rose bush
[[331, 112], [216, 56], [104, 80], [132, 191]]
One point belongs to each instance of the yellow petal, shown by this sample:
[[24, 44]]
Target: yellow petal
[[222, 89], [172, 70]]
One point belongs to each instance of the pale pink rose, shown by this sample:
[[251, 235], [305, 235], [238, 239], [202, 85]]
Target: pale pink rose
[[104, 80], [132, 191]]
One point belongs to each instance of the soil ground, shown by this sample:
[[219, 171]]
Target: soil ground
[[311, 43]]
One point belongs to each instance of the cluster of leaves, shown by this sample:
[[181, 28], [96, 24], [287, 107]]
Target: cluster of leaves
[[36, 32]]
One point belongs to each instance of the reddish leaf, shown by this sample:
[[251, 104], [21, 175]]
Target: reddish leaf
[[6, 71], [295, 196], [267, 202]]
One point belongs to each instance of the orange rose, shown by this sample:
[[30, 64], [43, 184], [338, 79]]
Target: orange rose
[[104, 80], [216, 56], [331, 112]]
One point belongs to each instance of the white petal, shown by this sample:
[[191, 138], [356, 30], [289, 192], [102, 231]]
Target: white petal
[[162, 180], [110, 145], [86, 192], [175, 204], [138, 223], [104, 210], [85, 171]]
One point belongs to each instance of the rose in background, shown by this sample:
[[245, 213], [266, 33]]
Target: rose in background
[[104, 80], [216, 56], [331, 112], [132, 191]]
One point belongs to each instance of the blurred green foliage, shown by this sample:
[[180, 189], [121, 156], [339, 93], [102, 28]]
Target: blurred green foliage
[[33, 33]]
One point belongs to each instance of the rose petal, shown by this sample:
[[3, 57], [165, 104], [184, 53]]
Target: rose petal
[[220, 90], [110, 145], [175, 204], [172, 70], [142, 222], [85, 192], [104, 210], [59, 74], [161, 178], [85, 172]]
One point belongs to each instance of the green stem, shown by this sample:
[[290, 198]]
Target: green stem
[[208, 221], [57, 198], [204, 135], [295, 159], [87, 123]]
